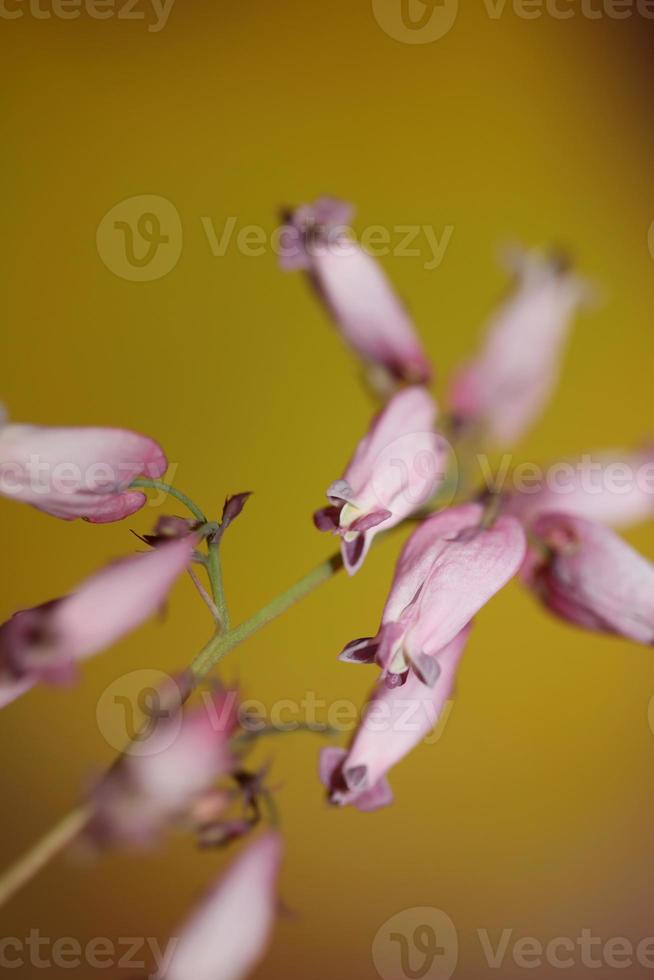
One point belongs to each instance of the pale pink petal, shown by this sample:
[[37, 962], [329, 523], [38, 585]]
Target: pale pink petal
[[228, 934], [77, 472], [395, 721], [396, 469], [46, 642], [364, 307], [592, 578], [505, 388], [116, 600], [468, 572], [614, 488], [449, 568], [165, 773], [420, 551], [367, 311]]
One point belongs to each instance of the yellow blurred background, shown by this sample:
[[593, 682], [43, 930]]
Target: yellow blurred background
[[533, 810]]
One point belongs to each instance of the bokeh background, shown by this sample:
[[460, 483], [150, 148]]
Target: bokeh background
[[532, 812]]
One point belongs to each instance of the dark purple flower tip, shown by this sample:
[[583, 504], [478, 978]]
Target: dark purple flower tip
[[233, 507], [328, 519], [362, 651]]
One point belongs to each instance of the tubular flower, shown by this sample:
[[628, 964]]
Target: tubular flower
[[80, 472], [449, 568], [586, 574], [395, 470], [609, 488], [504, 389], [395, 721], [167, 774], [228, 934], [365, 309], [47, 642]]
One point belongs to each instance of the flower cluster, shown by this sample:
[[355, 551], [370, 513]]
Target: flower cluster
[[188, 769]]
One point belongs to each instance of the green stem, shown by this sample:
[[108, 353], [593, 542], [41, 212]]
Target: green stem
[[55, 841], [215, 572], [222, 643], [206, 598], [304, 727], [142, 483]]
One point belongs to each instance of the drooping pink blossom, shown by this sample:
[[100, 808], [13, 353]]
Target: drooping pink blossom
[[395, 721], [397, 467], [47, 642], [614, 488], [505, 388], [354, 289], [228, 934], [449, 568], [165, 774], [77, 472], [586, 574]]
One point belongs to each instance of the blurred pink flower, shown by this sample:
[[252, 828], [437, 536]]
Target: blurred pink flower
[[80, 472], [587, 575], [228, 934], [396, 469], [395, 721], [504, 389], [47, 642], [449, 568], [166, 774], [353, 287], [614, 488]]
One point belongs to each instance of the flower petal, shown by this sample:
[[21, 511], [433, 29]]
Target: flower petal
[[228, 934], [614, 488], [45, 643], [591, 577], [397, 467], [504, 389], [77, 472], [365, 309]]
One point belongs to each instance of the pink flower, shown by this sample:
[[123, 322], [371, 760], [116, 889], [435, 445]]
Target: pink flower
[[80, 472], [364, 307], [228, 934], [395, 470], [589, 576], [609, 488], [449, 568], [509, 383], [47, 642], [395, 721], [166, 774]]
